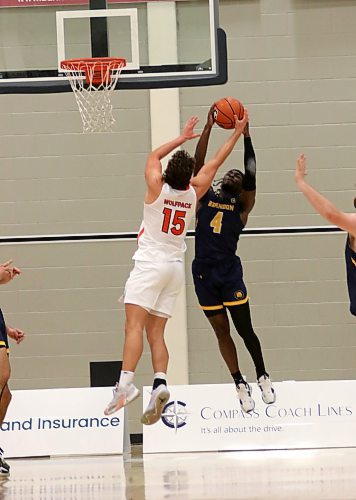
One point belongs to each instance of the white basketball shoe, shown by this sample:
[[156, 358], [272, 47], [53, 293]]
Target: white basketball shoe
[[244, 393], [4, 466], [268, 393], [153, 412], [122, 396]]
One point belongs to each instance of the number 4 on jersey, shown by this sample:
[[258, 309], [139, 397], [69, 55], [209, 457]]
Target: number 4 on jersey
[[216, 223]]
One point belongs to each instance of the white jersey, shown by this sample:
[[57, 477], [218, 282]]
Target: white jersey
[[165, 224]]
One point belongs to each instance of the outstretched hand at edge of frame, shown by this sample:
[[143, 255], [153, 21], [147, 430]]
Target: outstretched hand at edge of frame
[[15, 334], [301, 168], [8, 272]]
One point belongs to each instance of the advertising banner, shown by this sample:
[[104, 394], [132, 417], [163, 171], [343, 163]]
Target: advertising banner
[[40, 3], [51, 3], [51, 422], [209, 418]]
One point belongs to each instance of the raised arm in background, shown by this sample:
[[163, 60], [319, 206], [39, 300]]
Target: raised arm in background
[[322, 205]]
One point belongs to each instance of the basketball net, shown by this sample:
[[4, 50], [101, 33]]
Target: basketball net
[[92, 81]]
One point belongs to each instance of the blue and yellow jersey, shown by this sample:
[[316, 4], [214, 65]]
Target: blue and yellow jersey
[[218, 228], [350, 257]]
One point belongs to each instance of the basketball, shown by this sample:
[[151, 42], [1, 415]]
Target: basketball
[[224, 112]]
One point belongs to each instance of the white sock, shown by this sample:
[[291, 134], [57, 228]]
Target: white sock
[[161, 375], [126, 378]]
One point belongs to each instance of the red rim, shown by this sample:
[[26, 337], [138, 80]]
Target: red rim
[[92, 61], [96, 69]]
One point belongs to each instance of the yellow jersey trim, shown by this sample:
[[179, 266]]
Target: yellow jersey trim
[[236, 302], [211, 308], [353, 261], [2, 344]]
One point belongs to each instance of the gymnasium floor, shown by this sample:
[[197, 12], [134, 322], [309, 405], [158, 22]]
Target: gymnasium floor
[[323, 474]]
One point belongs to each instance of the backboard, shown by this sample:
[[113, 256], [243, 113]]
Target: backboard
[[165, 43]]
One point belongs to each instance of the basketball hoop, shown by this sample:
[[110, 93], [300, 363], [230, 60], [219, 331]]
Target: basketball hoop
[[92, 81]]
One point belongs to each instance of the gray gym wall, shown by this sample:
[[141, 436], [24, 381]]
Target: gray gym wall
[[292, 62]]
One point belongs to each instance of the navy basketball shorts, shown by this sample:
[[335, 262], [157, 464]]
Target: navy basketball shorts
[[4, 343], [219, 285], [351, 283]]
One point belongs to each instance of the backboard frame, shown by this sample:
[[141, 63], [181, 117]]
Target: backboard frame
[[211, 72]]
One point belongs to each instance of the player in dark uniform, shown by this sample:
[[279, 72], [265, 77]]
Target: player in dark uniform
[[217, 271], [350, 256], [7, 273], [343, 220]]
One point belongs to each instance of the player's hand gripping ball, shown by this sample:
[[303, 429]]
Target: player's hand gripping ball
[[224, 111]]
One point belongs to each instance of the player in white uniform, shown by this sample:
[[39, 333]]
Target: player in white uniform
[[158, 274], [156, 279]]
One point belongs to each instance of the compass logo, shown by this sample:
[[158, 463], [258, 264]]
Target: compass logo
[[175, 415]]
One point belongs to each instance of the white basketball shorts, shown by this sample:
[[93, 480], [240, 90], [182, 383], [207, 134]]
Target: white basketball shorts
[[155, 286]]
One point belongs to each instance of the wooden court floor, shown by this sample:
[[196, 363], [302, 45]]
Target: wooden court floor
[[323, 474]]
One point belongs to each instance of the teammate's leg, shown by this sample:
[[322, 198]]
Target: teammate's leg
[[241, 317], [155, 326], [5, 398]]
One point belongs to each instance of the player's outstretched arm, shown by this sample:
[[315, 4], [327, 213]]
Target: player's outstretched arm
[[322, 205], [202, 146], [15, 334], [153, 170], [248, 195], [8, 272], [203, 180]]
